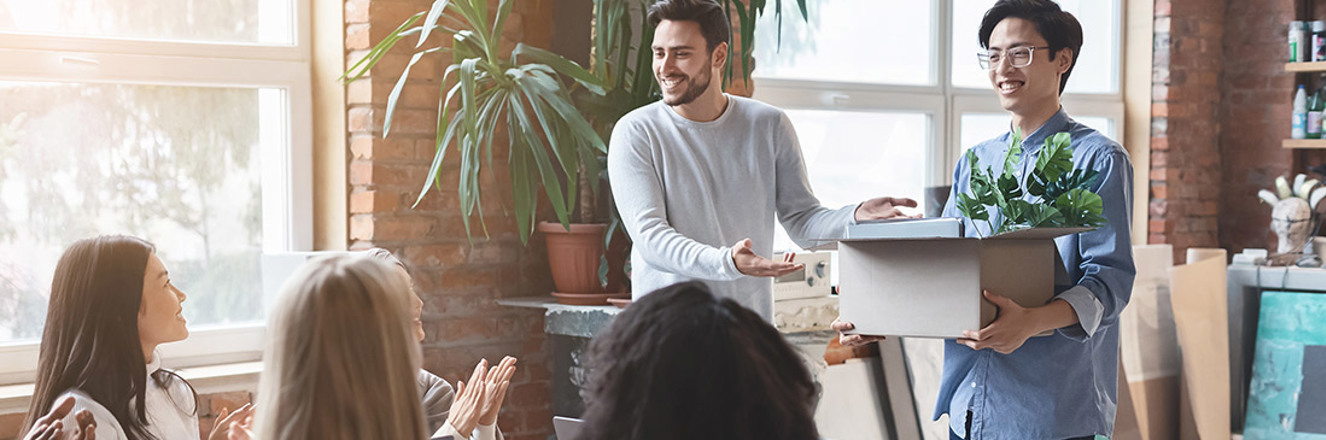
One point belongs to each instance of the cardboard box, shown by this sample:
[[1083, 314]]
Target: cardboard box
[[931, 286]]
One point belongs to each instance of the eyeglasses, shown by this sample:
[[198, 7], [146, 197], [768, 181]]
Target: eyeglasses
[[1018, 56]]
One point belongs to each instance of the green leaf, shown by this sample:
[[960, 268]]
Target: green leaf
[[374, 55], [429, 23], [1077, 179], [1014, 154], [972, 208], [1080, 208], [561, 65], [522, 190], [1009, 190], [1043, 216], [396, 90], [1056, 157], [544, 164]]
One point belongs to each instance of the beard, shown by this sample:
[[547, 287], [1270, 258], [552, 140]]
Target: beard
[[695, 86]]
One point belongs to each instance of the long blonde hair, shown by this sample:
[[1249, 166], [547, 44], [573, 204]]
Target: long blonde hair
[[341, 358]]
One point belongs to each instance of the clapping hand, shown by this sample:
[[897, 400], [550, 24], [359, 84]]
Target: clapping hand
[[51, 425], [498, 378], [469, 403]]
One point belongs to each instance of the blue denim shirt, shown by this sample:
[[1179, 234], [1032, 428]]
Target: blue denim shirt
[[1062, 385]]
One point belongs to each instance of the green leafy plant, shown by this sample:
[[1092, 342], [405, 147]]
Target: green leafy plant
[[524, 90], [1061, 194]]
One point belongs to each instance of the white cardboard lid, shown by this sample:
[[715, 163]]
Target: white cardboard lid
[[831, 244]]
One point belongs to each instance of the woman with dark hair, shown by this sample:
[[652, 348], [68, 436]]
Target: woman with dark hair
[[112, 304], [683, 364]]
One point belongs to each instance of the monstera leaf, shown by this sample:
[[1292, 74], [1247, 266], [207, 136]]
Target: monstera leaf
[[1081, 208], [1064, 193]]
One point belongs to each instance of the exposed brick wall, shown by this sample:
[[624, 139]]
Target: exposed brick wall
[[459, 281], [1258, 99], [1221, 104], [1185, 158]]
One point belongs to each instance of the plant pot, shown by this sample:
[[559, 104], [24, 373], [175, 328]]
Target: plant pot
[[574, 256]]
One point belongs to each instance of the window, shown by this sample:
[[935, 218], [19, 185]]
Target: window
[[184, 123], [886, 96]]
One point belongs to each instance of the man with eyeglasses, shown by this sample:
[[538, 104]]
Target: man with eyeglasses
[[1000, 382]]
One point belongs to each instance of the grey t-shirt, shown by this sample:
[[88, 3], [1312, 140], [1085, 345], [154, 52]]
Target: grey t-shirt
[[687, 191]]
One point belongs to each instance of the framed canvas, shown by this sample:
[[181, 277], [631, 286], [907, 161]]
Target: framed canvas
[[1287, 395]]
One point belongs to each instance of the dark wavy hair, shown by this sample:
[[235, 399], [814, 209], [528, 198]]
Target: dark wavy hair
[[682, 364], [1060, 29], [708, 14], [91, 342]]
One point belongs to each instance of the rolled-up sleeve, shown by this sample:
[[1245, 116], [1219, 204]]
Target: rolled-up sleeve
[[1106, 257]]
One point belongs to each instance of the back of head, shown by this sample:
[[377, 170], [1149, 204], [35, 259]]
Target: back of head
[[682, 364], [707, 13], [341, 359], [90, 341], [1059, 28]]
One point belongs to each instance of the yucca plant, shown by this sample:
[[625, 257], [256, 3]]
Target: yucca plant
[[545, 131]]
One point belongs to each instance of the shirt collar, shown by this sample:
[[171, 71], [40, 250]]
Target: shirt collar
[[155, 365], [1034, 141]]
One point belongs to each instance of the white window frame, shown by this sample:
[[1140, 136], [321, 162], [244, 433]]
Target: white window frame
[[942, 101], [286, 175]]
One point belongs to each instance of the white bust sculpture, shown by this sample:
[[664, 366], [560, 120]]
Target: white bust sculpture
[[1292, 213], [1290, 220]]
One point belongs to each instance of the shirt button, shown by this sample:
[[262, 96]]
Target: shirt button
[[973, 384]]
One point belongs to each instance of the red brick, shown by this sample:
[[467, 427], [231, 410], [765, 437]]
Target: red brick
[[462, 329], [402, 228], [359, 92], [368, 202], [357, 35], [361, 227], [435, 255], [1159, 144], [395, 148]]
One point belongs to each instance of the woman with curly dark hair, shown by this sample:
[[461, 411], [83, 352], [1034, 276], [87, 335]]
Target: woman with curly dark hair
[[683, 364]]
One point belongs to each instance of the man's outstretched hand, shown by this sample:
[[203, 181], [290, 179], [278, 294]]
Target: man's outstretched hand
[[882, 208], [754, 265]]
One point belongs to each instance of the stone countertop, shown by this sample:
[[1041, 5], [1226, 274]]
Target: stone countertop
[[810, 316]]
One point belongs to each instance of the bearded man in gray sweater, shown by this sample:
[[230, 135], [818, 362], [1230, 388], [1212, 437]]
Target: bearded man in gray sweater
[[700, 176]]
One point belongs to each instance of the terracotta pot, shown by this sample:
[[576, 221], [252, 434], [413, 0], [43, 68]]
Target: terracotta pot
[[574, 256]]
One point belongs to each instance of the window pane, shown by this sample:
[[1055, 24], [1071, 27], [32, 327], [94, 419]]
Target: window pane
[[1097, 71], [860, 41], [980, 127], [234, 21], [854, 156], [178, 166]]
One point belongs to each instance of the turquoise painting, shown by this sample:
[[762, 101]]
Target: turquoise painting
[[1287, 396]]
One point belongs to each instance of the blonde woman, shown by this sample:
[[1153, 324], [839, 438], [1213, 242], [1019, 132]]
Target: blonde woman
[[446, 414], [342, 359]]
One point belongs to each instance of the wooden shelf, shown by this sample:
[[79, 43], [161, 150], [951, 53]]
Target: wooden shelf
[[1319, 66], [1304, 143]]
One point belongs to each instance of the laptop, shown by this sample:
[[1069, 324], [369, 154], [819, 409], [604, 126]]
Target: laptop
[[567, 428]]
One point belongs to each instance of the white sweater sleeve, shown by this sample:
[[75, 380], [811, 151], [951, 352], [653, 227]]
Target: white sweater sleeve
[[806, 221], [638, 191], [483, 432], [107, 426]]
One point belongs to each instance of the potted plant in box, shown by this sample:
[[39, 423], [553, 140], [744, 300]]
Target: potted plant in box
[[1065, 200]]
